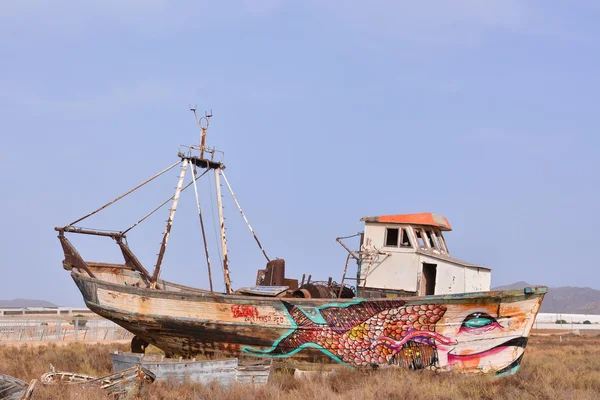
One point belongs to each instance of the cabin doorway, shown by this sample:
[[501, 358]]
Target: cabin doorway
[[428, 279]]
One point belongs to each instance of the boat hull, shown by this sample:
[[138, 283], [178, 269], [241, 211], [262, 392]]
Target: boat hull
[[471, 332]]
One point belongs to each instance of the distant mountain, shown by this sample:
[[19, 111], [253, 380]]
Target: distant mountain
[[516, 285], [565, 299], [21, 303]]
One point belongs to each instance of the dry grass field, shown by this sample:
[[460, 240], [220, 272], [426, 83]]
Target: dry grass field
[[550, 370]]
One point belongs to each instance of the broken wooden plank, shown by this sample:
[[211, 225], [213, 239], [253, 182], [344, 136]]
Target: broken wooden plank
[[12, 388]]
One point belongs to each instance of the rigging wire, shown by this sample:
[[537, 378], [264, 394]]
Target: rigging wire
[[125, 194], [203, 232], [244, 216], [161, 205]]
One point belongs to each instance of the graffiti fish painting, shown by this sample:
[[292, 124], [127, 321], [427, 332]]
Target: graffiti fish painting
[[435, 335], [366, 333]]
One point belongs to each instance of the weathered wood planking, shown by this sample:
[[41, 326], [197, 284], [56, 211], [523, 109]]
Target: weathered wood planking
[[249, 371], [264, 314], [166, 369], [12, 388], [129, 380], [254, 372]]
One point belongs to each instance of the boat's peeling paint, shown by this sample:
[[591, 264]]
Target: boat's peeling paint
[[477, 332], [372, 332]]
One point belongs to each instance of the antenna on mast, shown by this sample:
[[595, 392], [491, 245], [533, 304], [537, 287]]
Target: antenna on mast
[[203, 124]]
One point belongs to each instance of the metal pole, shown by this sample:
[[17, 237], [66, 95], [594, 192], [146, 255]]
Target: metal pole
[[368, 271], [202, 142], [203, 232], [223, 238], [344, 276], [339, 240], [244, 216], [163, 245], [203, 129]]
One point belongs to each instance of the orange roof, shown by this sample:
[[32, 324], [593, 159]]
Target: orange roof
[[428, 219]]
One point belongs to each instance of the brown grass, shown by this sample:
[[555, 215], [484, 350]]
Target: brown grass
[[550, 370]]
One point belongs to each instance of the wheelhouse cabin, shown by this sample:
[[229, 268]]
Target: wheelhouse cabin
[[406, 254]]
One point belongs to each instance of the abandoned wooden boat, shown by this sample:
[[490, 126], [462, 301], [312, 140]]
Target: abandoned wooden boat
[[54, 377], [12, 388], [411, 304], [127, 381]]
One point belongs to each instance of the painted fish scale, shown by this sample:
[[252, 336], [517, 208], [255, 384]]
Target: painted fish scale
[[358, 334], [355, 346], [349, 334]]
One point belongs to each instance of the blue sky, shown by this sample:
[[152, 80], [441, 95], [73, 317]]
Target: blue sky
[[482, 111]]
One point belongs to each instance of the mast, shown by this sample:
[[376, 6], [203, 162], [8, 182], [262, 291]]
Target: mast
[[203, 128], [203, 234], [203, 124], [198, 156], [222, 228], [163, 245]]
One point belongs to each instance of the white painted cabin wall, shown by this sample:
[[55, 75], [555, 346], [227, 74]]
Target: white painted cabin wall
[[450, 278], [398, 271], [402, 269], [456, 278], [477, 280]]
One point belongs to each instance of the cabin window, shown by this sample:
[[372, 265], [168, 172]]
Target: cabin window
[[440, 240], [404, 239], [420, 238], [397, 237], [391, 237], [431, 239]]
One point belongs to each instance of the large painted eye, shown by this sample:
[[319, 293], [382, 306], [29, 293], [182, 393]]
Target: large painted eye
[[479, 323]]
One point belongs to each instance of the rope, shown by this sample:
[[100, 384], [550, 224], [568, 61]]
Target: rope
[[160, 206], [244, 216], [125, 194], [203, 233]]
